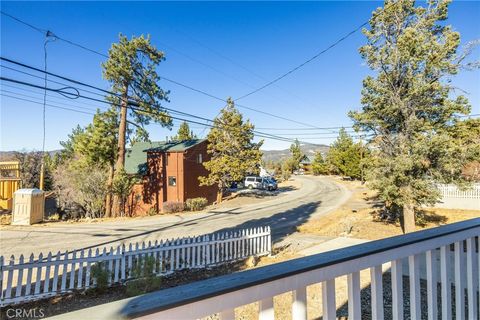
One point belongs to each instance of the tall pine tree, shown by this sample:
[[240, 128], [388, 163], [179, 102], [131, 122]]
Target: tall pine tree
[[409, 105], [131, 70]]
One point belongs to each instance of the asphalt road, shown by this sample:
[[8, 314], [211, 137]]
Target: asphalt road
[[316, 197]]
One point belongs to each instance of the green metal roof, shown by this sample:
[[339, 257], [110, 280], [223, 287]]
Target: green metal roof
[[175, 146], [136, 156]]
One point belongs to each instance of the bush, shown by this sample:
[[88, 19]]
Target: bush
[[173, 206], [144, 278], [196, 204], [80, 189], [152, 211], [101, 275]]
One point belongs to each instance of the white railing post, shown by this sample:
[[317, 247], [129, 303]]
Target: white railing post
[[432, 282], [354, 304], [397, 290], [446, 285], [328, 300], [266, 309], [299, 307], [377, 292], [228, 314], [472, 275], [414, 279], [459, 281]]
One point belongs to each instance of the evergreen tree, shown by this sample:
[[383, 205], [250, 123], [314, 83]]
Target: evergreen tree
[[344, 156], [296, 155], [319, 166], [233, 154], [184, 133], [409, 105], [94, 146], [97, 145], [131, 70]]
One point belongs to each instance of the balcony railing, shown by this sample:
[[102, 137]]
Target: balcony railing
[[446, 255]]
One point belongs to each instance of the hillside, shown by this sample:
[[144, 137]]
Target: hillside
[[307, 149]]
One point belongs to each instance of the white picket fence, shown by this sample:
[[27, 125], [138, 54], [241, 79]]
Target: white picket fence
[[452, 191], [32, 279], [454, 198]]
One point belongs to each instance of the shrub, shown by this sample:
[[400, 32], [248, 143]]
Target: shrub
[[196, 204], [101, 275], [80, 189], [152, 211], [144, 278], [173, 206]]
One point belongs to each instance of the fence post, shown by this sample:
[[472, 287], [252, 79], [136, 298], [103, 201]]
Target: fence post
[[207, 248], [123, 265]]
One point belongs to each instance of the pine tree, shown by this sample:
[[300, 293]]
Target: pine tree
[[233, 153], [409, 105], [344, 156], [97, 145], [296, 155], [184, 133], [319, 166], [131, 70]]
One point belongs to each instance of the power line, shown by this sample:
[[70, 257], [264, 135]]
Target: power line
[[266, 136], [303, 63], [135, 106], [49, 80], [172, 81], [48, 104], [111, 93], [167, 79]]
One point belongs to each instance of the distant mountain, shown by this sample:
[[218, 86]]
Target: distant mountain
[[10, 155], [307, 149]]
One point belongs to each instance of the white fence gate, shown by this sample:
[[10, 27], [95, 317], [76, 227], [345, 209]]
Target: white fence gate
[[454, 198], [53, 274]]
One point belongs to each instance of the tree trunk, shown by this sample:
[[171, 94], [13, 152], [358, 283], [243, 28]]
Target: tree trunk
[[122, 132], [219, 195], [108, 198], [122, 139], [408, 218]]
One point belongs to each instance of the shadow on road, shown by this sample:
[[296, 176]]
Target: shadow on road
[[283, 223]]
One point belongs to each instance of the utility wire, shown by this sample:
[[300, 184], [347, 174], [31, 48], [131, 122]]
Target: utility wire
[[43, 31], [266, 136], [112, 93], [136, 107], [303, 63], [172, 81]]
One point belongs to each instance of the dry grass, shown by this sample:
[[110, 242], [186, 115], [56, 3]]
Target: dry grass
[[357, 217], [5, 218]]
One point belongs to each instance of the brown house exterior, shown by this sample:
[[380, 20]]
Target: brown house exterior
[[167, 172]]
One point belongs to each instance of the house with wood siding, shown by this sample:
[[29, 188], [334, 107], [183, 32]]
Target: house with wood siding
[[167, 171]]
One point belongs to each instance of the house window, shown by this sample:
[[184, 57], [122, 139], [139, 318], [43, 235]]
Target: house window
[[172, 181], [199, 158]]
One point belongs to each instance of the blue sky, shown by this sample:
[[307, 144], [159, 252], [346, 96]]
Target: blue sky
[[223, 48]]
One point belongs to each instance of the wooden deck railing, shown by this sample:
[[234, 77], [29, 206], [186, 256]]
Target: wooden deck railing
[[429, 254]]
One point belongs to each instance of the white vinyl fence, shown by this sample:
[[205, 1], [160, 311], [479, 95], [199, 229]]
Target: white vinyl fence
[[29, 279], [454, 198]]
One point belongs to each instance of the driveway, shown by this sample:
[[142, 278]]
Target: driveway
[[316, 197]]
